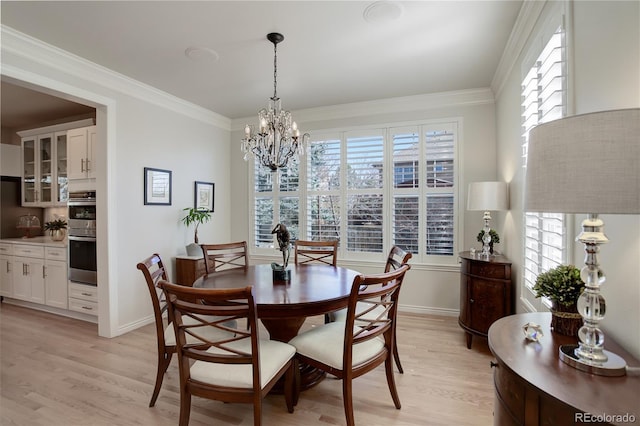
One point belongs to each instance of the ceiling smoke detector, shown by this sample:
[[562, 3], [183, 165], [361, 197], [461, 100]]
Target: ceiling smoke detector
[[201, 54], [383, 11]]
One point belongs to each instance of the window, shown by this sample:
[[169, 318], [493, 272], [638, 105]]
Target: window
[[370, 189], [543, 99]]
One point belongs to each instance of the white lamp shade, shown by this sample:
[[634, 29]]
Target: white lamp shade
[[587, 163], [488, 196]]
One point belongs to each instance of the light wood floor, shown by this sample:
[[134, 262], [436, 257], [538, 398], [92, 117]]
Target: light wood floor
[[55, 371]]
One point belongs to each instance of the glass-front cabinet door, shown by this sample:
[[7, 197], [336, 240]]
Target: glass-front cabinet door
[[62, 191], [29, 165], [45, 194]]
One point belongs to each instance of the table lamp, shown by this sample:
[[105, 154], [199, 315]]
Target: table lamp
[[487, 197], [589, 164]]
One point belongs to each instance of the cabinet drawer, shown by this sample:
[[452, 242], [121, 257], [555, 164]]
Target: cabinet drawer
[[83, 306], [28, 251], [83, 292], [488, 270], [55, 253], [6, 248]]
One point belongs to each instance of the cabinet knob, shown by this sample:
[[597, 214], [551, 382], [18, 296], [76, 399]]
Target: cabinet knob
[[471, 301], [493, 364]]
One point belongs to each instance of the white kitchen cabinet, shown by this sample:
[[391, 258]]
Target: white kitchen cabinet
[[6, 276], [38, 180], [83, 298], [55, 277], [44, 164], [28, 279], [6, 270], [81, 153]]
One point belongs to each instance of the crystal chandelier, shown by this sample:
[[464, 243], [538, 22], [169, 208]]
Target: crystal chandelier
[[277, 139]]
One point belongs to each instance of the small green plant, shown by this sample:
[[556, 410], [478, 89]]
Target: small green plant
[[55, 225], [562, 285], [195, 216], [495, 238]]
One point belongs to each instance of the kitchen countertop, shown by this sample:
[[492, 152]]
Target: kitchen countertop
[[47, 241]]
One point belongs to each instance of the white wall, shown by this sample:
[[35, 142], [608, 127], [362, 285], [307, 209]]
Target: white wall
[[604, 75], [428, 288], [138, 127]]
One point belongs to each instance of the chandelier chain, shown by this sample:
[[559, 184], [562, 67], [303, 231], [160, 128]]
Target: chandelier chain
[[275, 72]]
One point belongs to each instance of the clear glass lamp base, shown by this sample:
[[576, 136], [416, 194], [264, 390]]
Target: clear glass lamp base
[[615, 366]]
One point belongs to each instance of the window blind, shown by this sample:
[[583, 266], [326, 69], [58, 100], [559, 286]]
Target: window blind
[[370, 189], [543, 99]]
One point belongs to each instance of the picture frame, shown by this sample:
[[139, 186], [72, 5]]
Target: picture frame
[[204, 196], [157, 187]]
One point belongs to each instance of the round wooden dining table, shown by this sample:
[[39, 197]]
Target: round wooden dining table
[[283, 306]]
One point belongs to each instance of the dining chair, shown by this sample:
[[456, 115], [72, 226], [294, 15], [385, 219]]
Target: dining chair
[[395, 259], [352, 348], [238, 367], [318, 252], [325, 252], [154, 271], [220, 257]]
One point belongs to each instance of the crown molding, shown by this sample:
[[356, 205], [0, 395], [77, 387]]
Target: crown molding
[[24, 46], [387, 106], [526, 20]]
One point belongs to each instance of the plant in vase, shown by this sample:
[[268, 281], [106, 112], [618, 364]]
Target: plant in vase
[[563, 286], [197, 217], [56, 229], [495, 238]]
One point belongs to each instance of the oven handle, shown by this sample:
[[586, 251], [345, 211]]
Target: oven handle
[[88, 239], [81, 203]]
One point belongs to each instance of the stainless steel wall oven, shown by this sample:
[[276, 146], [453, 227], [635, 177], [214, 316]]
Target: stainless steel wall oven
[[82, 237]]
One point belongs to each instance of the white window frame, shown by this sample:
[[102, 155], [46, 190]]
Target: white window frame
[[556, 17]]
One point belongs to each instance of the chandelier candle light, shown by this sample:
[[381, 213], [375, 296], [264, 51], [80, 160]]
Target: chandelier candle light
[[590, 164], [277, 139]]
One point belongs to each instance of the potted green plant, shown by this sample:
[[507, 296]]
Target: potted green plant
[[56, 229], [495, 238], [197, 217], [563, 286]]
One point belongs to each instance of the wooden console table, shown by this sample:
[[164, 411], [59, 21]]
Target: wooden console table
[[485, 292], [189, 269], [534, 387]]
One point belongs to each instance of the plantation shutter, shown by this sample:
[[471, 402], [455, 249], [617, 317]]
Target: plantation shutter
[[365, 177], [543, 100], [323, 189], [439, 158]]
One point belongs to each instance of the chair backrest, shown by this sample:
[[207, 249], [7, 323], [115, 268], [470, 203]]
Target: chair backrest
[[316, 252], [396, 258], [206, 325], [220, 257], [379, 293], [153, 270]]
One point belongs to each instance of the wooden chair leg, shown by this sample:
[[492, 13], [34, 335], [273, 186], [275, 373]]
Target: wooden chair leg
[[396, 356], [289, 387], [163, 363], [257, 412], [391, 382], [347, 399], [185, 407]]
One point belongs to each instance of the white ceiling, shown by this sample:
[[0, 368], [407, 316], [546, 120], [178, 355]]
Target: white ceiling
[[331, 54]]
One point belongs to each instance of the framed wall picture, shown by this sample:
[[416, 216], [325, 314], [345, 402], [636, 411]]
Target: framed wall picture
[[204, 196], [157, 187]]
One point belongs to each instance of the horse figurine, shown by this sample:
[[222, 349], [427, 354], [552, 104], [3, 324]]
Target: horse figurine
[[284, 242]]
